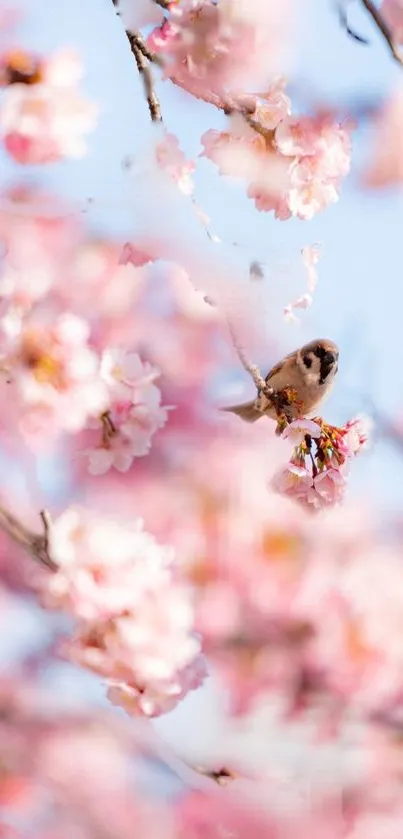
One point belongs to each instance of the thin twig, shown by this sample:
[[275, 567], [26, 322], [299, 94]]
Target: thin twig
[[33, 543], [385, 30], [343, 18], [47, 524], [140, 43], [143, 56], [250, 368], [145, 72]]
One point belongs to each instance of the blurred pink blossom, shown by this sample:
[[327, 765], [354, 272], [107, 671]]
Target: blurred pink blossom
[[173, 161], [385, 165], [392, 11], [54, 377], [135, 620], [46, 122], [211, 49]]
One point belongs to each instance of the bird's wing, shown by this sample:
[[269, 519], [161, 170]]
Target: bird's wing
[[277, 367]]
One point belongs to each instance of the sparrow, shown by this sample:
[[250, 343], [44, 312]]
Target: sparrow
[[309, 372]]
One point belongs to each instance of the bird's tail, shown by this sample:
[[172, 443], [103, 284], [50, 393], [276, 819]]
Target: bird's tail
[[247, 412]]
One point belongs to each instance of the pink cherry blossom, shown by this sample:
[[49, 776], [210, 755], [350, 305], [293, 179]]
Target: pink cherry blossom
[[358, 435], [316, 472], [293, 480], [132, 415], [295, 169], [299, 428], [309, 195], [160, 696], [328, 488]]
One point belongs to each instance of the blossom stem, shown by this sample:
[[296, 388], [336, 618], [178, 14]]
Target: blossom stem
[[33, 543]]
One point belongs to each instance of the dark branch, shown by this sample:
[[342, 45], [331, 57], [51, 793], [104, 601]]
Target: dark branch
[[343, 18], [136, 38], [142, 57], [145, 73]]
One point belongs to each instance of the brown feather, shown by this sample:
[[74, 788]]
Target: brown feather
[[278, 367], [246, 411]]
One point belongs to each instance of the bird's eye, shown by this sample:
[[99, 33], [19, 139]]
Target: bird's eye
[[319, 351], [307, 361]]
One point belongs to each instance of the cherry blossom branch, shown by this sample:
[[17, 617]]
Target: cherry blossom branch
[[145, 73], [33, 543], [142, 57], [384, 29], [142, 46]]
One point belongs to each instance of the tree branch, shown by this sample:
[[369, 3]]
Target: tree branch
[[33, 543], [140, 43], [384, 29], [250, 368], [145, 73], [143, 56]]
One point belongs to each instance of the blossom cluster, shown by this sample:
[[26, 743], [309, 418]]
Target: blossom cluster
[[132, 415], [293, 165], [134, 618], [211, 49], [316, 473], [56, 382]]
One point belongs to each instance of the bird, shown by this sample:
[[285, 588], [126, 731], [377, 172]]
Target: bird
[[309, 371]]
